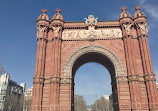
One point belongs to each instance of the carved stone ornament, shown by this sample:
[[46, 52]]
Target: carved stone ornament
[[127, 28], [40, 30], [143, 27], [67, 71], [56, 30], [91, 20], [87, 34]]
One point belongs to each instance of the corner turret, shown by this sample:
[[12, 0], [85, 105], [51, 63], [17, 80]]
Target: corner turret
[[125, 21], [57, 24], [42, 24], [140, 21]]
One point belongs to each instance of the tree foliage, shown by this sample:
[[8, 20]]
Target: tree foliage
[[80, 104], [13, 102], [102, 104], [27, 104]]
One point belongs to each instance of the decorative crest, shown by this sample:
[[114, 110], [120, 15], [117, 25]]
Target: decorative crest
[[123, 8], [44, 10], [138, 13], [43, 16], [91, 20], [137, 8], [58, 15], [58, 10], [124, 13]]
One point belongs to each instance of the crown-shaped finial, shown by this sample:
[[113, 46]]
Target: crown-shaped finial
[[137, 8], [123, 8], [58, 10], [43, 16], [44, 10], [58, 15]]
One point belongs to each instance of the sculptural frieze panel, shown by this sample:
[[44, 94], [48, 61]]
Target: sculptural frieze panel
[[88, 34], [143, 27]]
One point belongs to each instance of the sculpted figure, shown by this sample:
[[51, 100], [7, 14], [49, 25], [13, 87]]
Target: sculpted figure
[[56, 30], [40, 31], [143, 27], [127, 28]]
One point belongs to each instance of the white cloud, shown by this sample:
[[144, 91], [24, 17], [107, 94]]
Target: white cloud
[[150, 8]]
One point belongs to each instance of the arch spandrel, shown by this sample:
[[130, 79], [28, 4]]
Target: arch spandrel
[[119, 69]]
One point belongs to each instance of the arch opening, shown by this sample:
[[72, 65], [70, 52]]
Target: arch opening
[[96, 58], [98, 54], [92, 82]]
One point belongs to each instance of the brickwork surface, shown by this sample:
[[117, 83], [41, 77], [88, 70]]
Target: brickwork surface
[[121, 46]]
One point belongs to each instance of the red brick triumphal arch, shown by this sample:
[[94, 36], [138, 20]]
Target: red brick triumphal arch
[[121, 46]]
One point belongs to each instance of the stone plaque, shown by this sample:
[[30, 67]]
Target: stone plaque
[[96, 34]]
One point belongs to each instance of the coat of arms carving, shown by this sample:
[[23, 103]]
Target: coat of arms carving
[[91, 20]]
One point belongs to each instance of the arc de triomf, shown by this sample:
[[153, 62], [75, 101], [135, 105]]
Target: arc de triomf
[[119, 45]]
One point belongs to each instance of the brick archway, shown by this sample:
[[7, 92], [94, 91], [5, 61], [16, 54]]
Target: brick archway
[[67, 71], [98, 54], [121, 46]]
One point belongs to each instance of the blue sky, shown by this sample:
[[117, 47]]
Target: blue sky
[[18, 34]]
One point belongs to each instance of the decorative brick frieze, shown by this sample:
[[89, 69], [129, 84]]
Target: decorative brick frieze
[[54, 108], [38, 80], [40, 38], [136, 106], [133, 77], [65, 108], [153, 107], [125, 106], [141, 78], [66, 80], [52, 80], [36, 108], [144, 106], [150, 77], [121, 79]]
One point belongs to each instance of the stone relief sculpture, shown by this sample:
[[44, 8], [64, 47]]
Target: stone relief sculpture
[[83, 34], [143, 27], [40, 30], [56, 30], [91, 20], [127, 28]]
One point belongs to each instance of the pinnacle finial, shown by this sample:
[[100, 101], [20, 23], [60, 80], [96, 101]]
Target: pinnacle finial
[[123, 8], [44, 10], [58, 10], [137, 8]]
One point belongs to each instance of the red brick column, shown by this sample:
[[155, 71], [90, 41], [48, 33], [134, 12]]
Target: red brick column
[[42, 26], [57, 26], [126, 24], [66, 94], [149, 75]]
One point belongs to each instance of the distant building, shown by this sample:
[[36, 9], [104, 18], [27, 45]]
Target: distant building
[[106, 97], [7, 88], [27, 99], [28, 93]]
